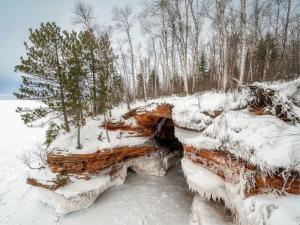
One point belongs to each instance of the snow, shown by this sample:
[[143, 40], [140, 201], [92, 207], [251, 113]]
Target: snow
[[269, 209], [80, 194], [77, 195], [66, 142], [265, 141], [209, 213], [140, 200]]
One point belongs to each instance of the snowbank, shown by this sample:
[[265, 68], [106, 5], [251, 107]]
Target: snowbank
[[265, 141], [66, 143]]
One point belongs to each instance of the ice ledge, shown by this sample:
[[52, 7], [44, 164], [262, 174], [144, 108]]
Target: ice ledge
[[264, 209], [81, 194], [209, 213]]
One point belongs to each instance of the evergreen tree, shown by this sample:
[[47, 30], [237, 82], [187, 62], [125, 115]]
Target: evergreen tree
[[71, 73], [75, 85], [45, 76], [203, 80], [266, 54], [90, 47], [203, 63], [109, 89]]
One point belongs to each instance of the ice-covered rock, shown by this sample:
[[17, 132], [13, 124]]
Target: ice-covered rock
[[80, 193]]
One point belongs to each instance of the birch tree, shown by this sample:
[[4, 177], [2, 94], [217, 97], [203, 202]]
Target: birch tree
[[244, 41], [123, 18]]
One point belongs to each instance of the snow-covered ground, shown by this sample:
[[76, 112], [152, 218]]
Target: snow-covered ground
[[141, 200]]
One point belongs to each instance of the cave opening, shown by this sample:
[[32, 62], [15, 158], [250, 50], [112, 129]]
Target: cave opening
[[164, 135]]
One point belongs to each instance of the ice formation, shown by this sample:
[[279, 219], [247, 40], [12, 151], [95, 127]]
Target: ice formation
[[80, 194], [265, 136]]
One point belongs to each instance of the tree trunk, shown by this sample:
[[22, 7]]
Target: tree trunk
[[79, 146], [132, 65], [244, 41], [62, 95], [94, 84]]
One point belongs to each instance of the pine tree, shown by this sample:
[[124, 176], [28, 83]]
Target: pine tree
[[203, 80], [109, 89], [45, 76], [203, 63], [266, 54], [90, 47], [75, 84]]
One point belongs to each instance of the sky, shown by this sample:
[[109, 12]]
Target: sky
[[17, 16]]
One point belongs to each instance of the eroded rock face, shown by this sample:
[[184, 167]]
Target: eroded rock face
[[232, 170], [153, 159], [149, 124], [95, 162], [80, 193]]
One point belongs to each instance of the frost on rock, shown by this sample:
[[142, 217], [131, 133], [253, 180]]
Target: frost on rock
[[266, 209], [260, 126], [77, 195]]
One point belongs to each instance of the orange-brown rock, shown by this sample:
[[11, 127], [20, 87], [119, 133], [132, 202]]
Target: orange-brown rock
[[150, 119], [222, 163], [262, 112], [95, 162], [227, 166], [52, 185], [139, 130], [146, 120], [213, 114]]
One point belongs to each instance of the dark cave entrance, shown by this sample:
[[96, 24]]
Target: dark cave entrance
[[164, 135]]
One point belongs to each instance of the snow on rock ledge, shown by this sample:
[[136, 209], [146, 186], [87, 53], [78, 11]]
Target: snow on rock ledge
[[77, 195], [255, 131], [267, 209], [80, 194]]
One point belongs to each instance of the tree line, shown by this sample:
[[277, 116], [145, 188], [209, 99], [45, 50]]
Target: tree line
[[187, 46], [196, 45]]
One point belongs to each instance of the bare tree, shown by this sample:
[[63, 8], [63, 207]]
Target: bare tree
[[220, 15], [244, 41], [84, 15], [196, 14], [125, 73], [123, 18]]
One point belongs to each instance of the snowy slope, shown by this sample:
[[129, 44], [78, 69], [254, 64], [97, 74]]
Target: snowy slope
[[67, 142]]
